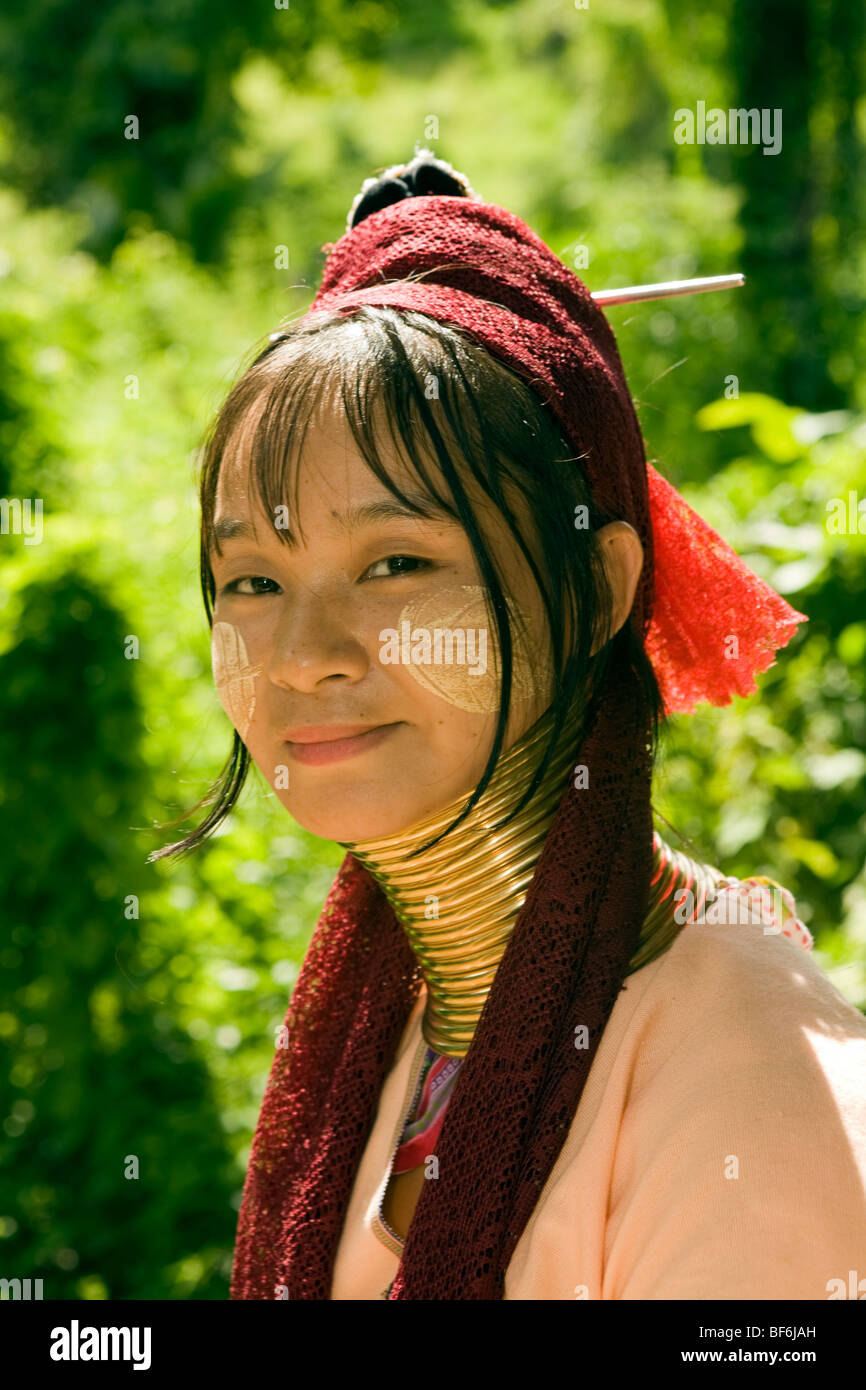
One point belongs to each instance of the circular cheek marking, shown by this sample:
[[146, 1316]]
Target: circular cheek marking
[[454, 622], [234, 677]]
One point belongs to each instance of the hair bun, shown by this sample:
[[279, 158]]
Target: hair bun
[[424, 176]]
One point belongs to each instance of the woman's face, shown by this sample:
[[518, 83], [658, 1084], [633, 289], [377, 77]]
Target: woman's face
[[358, 665]]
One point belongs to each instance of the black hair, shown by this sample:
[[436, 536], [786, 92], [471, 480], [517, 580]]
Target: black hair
[[423, 176]]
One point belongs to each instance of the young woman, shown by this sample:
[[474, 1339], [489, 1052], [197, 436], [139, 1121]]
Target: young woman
[[533, 1052]]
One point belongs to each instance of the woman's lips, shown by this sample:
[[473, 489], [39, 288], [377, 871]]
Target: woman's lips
[[335, 750]]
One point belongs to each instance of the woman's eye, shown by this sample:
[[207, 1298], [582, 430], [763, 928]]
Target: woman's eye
[[234, 587], [401, 561], [394, 567]]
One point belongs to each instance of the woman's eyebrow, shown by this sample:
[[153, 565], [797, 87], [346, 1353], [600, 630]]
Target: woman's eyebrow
[[391, 508], [365, 514], [228, 529]]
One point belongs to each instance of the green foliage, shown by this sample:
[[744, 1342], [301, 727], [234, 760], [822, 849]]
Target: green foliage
[[783, 789], [72, 141], [98, 1074], [140, 1002]]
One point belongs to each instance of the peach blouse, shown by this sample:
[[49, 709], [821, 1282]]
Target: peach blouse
[[718, 1150]]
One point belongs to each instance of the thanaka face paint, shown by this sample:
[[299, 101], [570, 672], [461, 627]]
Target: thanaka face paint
[[234, 677], [442, 638]]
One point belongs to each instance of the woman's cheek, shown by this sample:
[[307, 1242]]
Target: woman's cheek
[[234, 676], [444, 640]]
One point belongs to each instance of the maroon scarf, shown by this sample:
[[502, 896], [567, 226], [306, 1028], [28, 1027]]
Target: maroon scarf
[[521, 1080]]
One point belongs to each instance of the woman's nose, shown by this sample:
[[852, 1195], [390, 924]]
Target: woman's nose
[[314, 643]]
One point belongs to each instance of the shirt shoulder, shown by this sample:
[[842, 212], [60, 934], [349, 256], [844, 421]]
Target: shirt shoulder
[[740, 1167], [740, 994]]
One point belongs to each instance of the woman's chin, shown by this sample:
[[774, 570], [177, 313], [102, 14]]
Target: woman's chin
[[347, 826]]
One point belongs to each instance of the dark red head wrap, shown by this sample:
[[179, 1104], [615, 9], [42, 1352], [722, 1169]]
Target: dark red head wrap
[[708, 622]]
